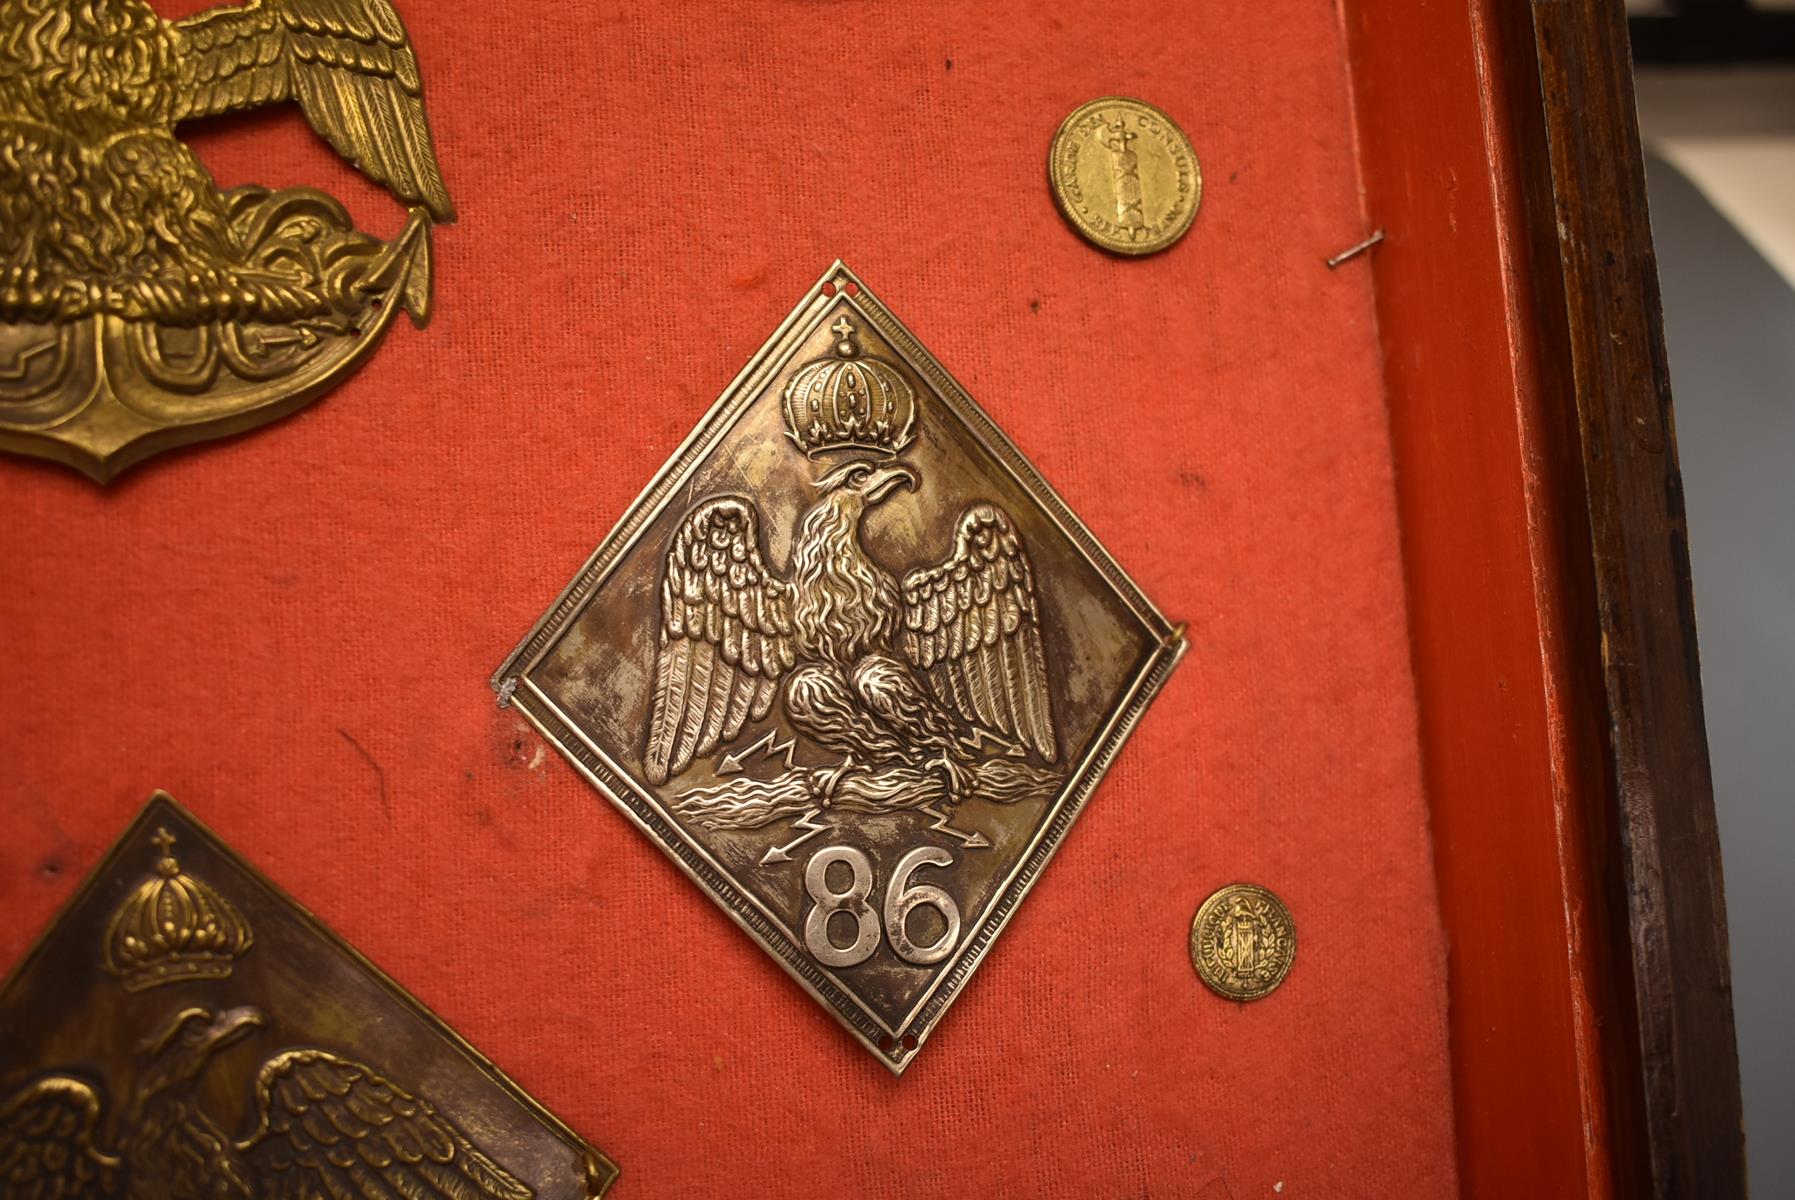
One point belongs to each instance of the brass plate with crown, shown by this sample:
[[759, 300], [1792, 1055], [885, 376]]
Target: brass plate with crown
[[142, 308], [851, 663], [185, 1031]]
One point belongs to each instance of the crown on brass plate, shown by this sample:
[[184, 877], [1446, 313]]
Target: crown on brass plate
[[848, 401], [173, 927]]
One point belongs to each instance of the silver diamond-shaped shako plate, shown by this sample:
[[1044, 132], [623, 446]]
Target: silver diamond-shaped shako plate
[[852, 663]]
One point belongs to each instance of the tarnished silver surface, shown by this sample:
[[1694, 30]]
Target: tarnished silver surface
[[852, 663]]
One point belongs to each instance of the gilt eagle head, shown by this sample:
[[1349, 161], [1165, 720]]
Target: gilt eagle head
[[179, 1051]]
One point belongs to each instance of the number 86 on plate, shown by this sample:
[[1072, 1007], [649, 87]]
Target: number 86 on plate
[[843, 925]]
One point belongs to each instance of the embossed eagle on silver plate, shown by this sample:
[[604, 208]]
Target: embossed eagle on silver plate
[[852, 663]]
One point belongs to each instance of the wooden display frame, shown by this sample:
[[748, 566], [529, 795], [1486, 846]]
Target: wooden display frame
[[1552, 622]]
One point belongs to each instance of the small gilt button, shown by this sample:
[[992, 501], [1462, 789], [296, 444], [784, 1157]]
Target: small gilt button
[[1242, 942], [1125, 175]]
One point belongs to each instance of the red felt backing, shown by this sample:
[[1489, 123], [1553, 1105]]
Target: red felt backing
[[292, 631]]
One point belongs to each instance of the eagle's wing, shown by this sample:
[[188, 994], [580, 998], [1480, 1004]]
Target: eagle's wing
[[726, 635], [47, 1149], [347, 63], [333, 1127], [972, 624]]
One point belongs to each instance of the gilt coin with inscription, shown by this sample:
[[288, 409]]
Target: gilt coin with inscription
[[1243, 942], [1125, 175]]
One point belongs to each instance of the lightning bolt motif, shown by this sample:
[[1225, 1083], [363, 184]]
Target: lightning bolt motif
[[971, 840], [807, 821], [731, 764]]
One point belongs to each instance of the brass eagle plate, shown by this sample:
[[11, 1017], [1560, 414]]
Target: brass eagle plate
[[852, 664], [185, 1031], [142, 308]]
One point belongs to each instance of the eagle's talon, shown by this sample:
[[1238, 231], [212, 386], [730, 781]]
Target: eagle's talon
[[960, 781], [824, 780]]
